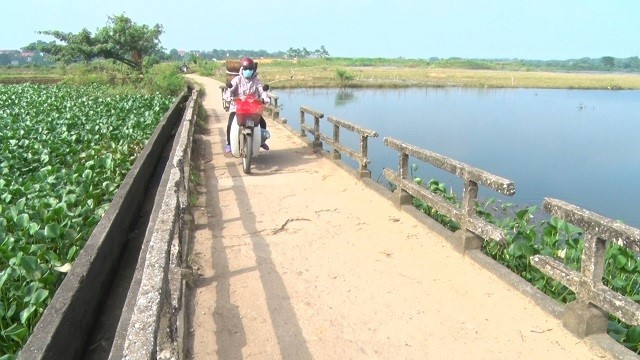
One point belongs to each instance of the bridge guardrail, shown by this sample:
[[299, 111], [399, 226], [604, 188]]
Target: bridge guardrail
[[274, 109], [471, 225], [360, 156], [587, 315]]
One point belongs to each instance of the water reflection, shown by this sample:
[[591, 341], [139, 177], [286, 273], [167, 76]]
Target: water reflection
[[579, 146], [344, 97]]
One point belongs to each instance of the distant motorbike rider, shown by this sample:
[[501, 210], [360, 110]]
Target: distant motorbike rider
[[244, 84]]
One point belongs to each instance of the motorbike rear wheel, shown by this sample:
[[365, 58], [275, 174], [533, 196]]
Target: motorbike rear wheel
[[247, 153]]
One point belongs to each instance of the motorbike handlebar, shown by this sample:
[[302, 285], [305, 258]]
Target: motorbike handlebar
[[242, 98], [265, 87]]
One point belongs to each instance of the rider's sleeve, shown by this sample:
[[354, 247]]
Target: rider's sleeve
[[235, 87], [263, 94], [226, 95]]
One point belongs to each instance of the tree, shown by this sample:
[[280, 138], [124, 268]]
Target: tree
[[5, 58], [608, 61], [121, 40], [174, 55], [323, 52], [304, 53], [294, 53]]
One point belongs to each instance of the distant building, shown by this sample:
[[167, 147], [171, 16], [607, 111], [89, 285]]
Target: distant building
[[27, 55]]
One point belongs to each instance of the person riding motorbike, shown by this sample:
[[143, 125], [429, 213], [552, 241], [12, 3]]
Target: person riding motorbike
[[244, 84]]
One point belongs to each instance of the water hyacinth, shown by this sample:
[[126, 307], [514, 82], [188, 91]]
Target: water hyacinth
[[64, 151]]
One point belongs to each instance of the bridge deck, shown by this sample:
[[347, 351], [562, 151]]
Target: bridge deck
[[302, 261]]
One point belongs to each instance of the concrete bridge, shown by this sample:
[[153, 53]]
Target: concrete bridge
[[309, 259], [303, 260]]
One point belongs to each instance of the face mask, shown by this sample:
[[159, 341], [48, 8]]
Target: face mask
[[247, 73]]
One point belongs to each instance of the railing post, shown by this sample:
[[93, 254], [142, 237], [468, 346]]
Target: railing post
[[336, 140], [364, 152], [581, 317], [302, 132], [402, 196], [317, 144], [468, 240], [275, 114]]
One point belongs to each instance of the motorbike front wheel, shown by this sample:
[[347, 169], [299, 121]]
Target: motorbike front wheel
[[247, 153]]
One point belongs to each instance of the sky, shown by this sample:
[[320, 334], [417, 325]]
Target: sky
[[417, 29]]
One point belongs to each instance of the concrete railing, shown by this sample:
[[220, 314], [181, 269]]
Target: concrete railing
[[474, 229], [360, 156], [315, 130], [273, 109], [587, 315]]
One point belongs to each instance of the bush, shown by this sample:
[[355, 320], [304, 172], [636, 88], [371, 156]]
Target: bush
[[344, 76], [165, 79], [207, 68]]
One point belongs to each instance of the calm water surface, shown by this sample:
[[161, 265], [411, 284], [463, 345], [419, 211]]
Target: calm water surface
[[580, 146]]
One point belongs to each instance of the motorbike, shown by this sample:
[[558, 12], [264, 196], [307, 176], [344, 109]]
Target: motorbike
[[245, 141]]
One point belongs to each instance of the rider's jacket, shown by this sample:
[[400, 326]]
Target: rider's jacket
[[241, 86]]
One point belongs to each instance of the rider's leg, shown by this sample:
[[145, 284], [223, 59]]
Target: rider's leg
[[263, 127], [231, 115], [228, 147]]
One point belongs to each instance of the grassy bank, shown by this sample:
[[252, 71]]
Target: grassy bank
[[350, 73], [334, 72], [163, 78]]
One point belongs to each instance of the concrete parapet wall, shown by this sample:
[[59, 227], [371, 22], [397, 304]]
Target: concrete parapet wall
[[151, 332]]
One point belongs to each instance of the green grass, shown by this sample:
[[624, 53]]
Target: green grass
[[163, 78], [389, 73]]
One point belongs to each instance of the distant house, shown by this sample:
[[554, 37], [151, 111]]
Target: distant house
[[27, 55]]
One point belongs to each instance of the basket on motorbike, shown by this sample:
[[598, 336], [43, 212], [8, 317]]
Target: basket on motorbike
[[232, 67], [249, 108]]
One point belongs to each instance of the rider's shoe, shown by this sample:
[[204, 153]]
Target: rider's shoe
[[264, 146], [227, 149]]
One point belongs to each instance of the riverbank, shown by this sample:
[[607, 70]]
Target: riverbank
[[349, 73], [281, 74]]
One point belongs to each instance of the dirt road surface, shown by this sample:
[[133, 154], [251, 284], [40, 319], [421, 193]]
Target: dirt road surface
[[302, 261]]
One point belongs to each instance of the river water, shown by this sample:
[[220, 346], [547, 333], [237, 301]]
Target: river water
[[579, 146]]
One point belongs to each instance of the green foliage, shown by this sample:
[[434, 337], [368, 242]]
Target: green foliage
[[64, 151], [440, 189], [304, 53], [207, 68], [608, 61], [121, 40], [344, 76], [164, 79]]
